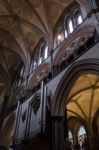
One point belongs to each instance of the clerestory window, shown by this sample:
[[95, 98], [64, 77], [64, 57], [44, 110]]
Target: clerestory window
[[70, 20], [40, 54], [70, 26]]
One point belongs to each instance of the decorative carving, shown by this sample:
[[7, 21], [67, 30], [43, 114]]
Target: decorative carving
[[79, 39], [40, 73]]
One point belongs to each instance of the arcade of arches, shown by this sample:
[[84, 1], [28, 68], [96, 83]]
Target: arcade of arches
[[49, 75]]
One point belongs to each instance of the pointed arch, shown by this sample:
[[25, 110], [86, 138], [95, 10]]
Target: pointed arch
[[76, 69]]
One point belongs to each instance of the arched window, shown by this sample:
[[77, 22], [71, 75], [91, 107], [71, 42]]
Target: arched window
[[70, 26], [71, 18], [43, 53], [40, 59], [70, 136], [46, 52], [66, 34], [22, 75], [78, 18], [81, 131], [81, 135], [40, 54]]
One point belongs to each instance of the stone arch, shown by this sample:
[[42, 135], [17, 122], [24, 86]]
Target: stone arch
[[76, 69], [76, 119], [7, 129], [87, 66], [40, 73], [68, 48]]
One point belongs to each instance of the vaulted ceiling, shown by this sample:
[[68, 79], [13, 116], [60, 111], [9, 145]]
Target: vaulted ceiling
[[83, 99], [22, 24]]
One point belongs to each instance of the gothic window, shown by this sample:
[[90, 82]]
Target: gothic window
[[70, 137], [46, 52], [81, 134], [66, 33], [34, 64], [81, 131], [70, 26], [40, 54], [21, 76], [69, 21], [78, 18], [43, 53]]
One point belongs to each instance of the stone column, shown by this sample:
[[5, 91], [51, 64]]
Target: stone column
[[57, 132], [91, 139]]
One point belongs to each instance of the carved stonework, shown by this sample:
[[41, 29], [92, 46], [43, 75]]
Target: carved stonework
[[79, 39], [40, 73]]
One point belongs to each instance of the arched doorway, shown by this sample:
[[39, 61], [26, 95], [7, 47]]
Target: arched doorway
[[79, 96]]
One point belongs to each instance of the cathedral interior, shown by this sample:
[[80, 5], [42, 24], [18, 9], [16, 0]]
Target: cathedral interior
[[49, 74]]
